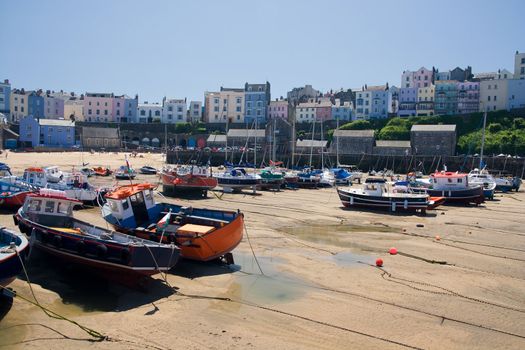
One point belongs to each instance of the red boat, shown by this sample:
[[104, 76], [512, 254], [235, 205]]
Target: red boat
[[13, 194], [101, 171], [188, 178]]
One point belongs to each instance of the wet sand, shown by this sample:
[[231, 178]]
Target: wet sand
[[318, 288]]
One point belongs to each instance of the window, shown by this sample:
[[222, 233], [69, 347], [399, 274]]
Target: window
[[125, 204], [495, 98], [50, 207], [488, 98], [35, 205], [118, 104], [216, 101], [118, 111], [98, 103], [216, 108], [495, 86], [239, 100], [105, 104], [238, 117], [179, 109], [142, 112], [170, 109], [98, 111], [238, 109], [523, 61], [105, 112], [157, 113]]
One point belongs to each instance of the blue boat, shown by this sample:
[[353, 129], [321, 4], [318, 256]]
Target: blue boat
[[342, 177], [13, 249]]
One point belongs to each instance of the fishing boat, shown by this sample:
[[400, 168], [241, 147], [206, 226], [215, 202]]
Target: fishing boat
[[125, 172], [148, 170], [101, 171], [13, 251], [375, 195], [74, 184], [13, 193], [201, 234], [454, 187], [271, 179], [237, 179], [53, 174], [483, 178], [189, 178], [47, 218]]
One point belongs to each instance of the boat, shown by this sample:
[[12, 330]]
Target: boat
[[14, 248], [326, 178], [53, 174], [74, 184], [483, 178], [148, 170], [47, 219], [5, 171], [375, 195], [507, 183], [237, 179], [189, 178], [308, 179], [125, 172], [101, 171], [201, 234], [271, 179], [454, 187], [341, 176], [87, 171], [13, 193]]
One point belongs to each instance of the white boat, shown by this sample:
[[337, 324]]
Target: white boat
[[483, 178], [236, 179], [125, 173], [53, 174]]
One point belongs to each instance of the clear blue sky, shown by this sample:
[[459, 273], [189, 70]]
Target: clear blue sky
[[181, 49]]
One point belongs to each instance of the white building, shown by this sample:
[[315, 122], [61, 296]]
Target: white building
[[305, 112], [195, 112], [149, 112], [363, 104], [174, 110], [519, 65], [493, 94]]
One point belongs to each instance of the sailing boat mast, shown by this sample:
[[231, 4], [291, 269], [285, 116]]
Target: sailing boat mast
[[322, 150], [293, 139], [312, 144], [337, 145], [482, 140], [255, 144], [273, 139]]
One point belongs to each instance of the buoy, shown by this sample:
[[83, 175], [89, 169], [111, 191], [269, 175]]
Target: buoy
[[438, 238], [404, 230], [393, 251], [379, 262]]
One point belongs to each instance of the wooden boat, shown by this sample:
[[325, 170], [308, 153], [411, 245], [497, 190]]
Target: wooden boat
[[190, 178], [101, 171], [148, 170], [47, 218], [125, 172], [74, 184], [13, 250], [201, 234], [375, 195], [454, 187], [237, 179]]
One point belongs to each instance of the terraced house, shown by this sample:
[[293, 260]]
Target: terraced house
[[425, 101], [257, 98], [446, 97], [468, 97], [98, 107]]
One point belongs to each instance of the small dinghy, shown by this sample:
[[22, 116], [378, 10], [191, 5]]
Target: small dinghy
[[101, 171], [47, 218], [125, 172], [13, 250], [148, 170]]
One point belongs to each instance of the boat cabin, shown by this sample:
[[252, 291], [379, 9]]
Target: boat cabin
[[448, 180], [50, 208], [133, 203], [375, 188], [76, 179], [35, 176], [5, 170]]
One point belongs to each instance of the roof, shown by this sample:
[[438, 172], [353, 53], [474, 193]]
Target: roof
[[311, 143], [354, 133], [440, 127], [89, 131], [216, 138], [246, 133], [124, 192], [56, 122], [449, 174], [395, 143]]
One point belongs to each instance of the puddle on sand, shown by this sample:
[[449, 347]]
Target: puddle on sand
[[351, 259], [336, 235], [273, 287]]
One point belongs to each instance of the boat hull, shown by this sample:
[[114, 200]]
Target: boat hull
[[11, 264], [353, 199], [13, 201], [470, 195], [129, 260], [171, 182]]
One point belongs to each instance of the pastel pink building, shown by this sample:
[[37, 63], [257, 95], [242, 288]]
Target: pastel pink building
[[417, 79], [278, 109], [98, 107], [53, 107], [468, 97], [119, 103], [323, 111]]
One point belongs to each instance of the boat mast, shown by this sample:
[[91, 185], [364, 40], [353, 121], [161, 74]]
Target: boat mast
[[322, 150], [255, 144], [273, 139], [337, 145], [312, 144], [293, 138], [227, 125], [482, 140]]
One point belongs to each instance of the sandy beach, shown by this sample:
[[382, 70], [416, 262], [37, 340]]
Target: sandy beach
[[303, 278]]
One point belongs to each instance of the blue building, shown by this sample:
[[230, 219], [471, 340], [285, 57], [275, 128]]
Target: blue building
[[342, 111], [35, 104], [380, 101], [5, 96], [130, 109], [47, 132], [516, 93], [256, 98]]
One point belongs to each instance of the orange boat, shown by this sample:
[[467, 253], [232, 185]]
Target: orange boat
[[188, 178], [201, 234], [101, 171]]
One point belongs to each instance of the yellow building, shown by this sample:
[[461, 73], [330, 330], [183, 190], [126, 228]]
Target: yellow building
[[19, 104], [425, 101], [225, 106], [74, 108]]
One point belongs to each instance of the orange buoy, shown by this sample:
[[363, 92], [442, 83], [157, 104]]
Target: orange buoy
[[379, 262], [438, 238], [393, 251]]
